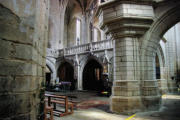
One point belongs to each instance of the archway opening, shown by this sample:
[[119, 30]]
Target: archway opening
[[92, 76], [48, 78], [158, 72], [66, 74]]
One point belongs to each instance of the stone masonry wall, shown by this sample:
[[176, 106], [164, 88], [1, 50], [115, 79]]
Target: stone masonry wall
[[23, 35]]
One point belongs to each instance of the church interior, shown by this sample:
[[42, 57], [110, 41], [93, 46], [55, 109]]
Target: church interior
[[89, 60]]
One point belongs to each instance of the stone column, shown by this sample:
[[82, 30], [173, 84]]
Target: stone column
[[85, 34], [150, 90], [79, 81], [126, 22], [63, 5], [126, 87], [103, 37], [163, 81], [23, 36], [171, 56], [57, 16], [79, 76]]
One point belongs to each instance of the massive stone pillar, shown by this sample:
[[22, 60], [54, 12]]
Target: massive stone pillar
[[126, 21], [23, 35]]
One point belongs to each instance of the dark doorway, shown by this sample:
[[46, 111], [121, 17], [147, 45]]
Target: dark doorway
[[92, 76], [158, 72], [48, 78], [66, 74]]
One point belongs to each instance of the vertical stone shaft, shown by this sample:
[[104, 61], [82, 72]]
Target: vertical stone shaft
[[57, 16], [84, 27], [150, 91], [126, 89], [54, 24], [63, 5], [162, 82], [85, 34]]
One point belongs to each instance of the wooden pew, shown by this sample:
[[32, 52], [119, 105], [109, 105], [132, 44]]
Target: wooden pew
[[62, 100], [48, 109]]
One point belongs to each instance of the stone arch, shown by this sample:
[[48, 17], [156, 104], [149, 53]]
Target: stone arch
[[164, 12], [53, 70], [71, 62], [90, 57], [92, 76], [66, 72], [82, 64], [162, 23]]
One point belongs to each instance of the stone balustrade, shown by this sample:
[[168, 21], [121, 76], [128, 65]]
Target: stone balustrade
[[82, 49], [77, 49], [102, 45], [52, 53]]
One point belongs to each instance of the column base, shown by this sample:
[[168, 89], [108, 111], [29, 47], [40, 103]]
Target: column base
[[151, 103], [162, 83], [173, 90], [163, 90], [172, 87], [126, 105]]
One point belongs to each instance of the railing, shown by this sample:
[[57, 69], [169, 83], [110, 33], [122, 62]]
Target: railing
[[77, 49], [101, 45], [52, 53], [81, 49]]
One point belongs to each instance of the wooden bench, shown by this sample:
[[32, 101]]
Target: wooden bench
[[62, 100], [47, 110]]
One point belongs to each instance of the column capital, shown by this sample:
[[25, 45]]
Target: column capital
[[126, 18]]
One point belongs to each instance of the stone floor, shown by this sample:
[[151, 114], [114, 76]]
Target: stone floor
[[170, 109]]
